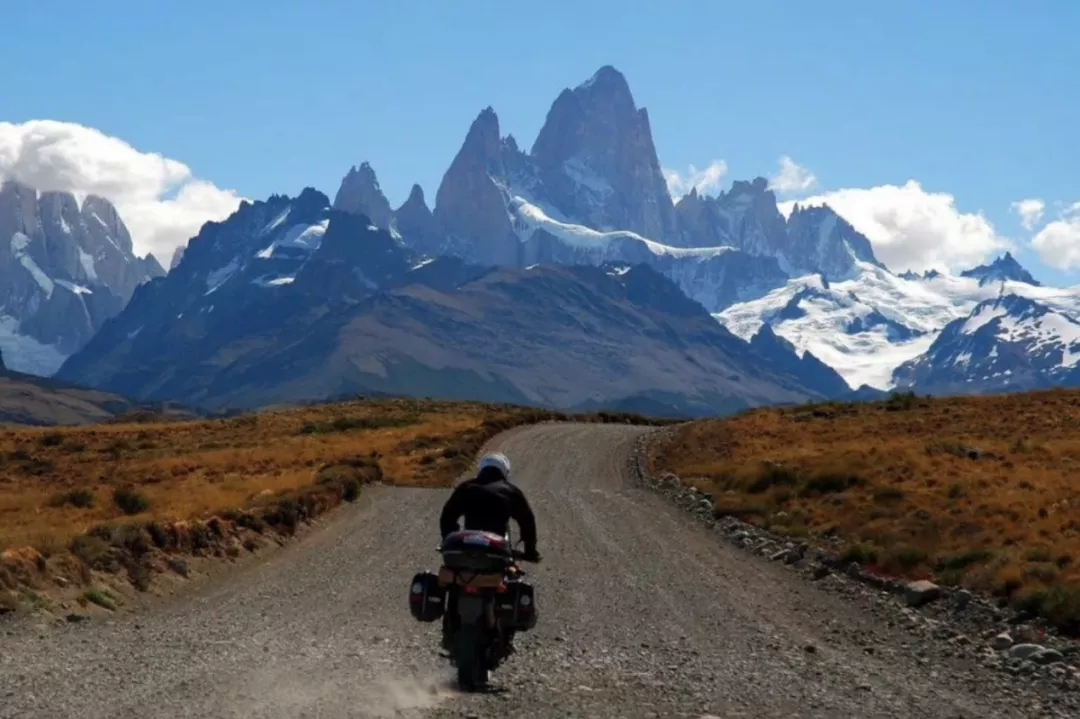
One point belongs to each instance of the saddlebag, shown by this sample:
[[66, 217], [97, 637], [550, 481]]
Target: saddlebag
[[517, 605], [427, 600]]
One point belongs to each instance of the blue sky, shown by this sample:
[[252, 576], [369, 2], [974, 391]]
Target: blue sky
[[977, 100]]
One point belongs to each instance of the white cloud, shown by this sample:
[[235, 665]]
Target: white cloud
[[705, 181], [1030, 211], [911, 228], [160, 200], [792, 177], [1058, 244]]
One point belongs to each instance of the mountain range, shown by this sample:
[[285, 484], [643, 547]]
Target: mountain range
[[565, 275], [65, 267], [291, 299]]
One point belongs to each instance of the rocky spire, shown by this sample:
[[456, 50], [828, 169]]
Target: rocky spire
[[417, 225], [596, 158], [360, 194], [470, 207]]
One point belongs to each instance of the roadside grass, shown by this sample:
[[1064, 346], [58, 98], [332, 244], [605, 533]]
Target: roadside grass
[[982, 492], [125, 497]]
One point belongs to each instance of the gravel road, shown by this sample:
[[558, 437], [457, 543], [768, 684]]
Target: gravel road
[[643, 613]]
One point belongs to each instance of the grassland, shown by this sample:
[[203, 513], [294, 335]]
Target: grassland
[[135, 496], [982, 492]]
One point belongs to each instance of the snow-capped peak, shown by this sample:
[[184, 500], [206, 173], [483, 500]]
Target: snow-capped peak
[[1004, 342]]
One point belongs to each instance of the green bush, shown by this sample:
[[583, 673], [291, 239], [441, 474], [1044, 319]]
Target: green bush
[[130, 501], [100, 597]]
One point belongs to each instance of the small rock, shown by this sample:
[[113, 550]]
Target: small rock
[[1048, 656], [916, 594], [1024, 651], [782, 554], [810, 649], [962, 598], [74, 618], [820, 572], [178, 565], [1001, 642]]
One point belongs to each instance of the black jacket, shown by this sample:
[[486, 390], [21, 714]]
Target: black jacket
[[489, 502]]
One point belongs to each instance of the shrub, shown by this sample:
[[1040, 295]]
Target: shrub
[[100, 597], [1061, 606], [130, 501], [773, 474], [888, 494], [1039, 554], [900, 401], [118, 448], [904, 559], [962, 560], [830, 482], [81, 498], [51, 439], [860, 553], [94, 552], [347, 424]]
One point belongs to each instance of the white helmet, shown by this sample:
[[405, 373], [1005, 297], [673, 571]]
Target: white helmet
[[498, 460]]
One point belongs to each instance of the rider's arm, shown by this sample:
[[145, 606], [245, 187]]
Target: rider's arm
[[522, 513], [451, 512]]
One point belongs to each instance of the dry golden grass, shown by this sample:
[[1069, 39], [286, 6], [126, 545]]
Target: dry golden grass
[[979, 491], [196, 468], [125, 496]]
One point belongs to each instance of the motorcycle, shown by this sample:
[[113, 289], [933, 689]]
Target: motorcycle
[[481, 582]]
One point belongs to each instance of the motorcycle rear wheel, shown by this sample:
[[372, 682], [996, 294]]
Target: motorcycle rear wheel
[[470, 658]]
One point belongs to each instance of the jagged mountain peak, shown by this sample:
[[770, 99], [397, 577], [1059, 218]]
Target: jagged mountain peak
[[759, 186], [1004, 268], [416, 197], [482, 140], [608, 89], [823, 241], [597, 162], [360, 193]]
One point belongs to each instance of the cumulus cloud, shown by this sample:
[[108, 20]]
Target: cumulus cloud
[[160, 200], [792, 178], [1058, 244], [1030, 211], [705, 181], [911, 228]]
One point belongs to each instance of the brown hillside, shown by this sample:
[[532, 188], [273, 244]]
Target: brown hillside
[[115, 497], [979, 491]]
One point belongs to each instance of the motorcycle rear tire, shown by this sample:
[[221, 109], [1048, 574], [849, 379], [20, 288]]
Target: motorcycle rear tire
[[470, 658]]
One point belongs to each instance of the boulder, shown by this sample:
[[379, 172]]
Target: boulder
[[922, 592]]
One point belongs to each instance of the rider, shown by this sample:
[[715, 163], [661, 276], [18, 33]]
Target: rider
[[488, 501]]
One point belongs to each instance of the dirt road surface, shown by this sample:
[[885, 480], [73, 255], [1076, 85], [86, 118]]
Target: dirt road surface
[[643, 614]]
